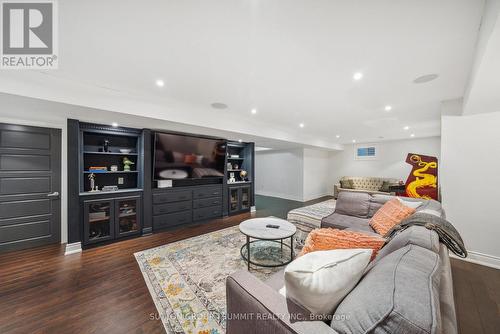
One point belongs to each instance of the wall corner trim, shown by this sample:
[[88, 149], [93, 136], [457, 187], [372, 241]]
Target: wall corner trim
[[73, 248], [480, 258]]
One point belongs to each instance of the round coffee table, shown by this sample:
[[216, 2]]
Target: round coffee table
[[267, 229]]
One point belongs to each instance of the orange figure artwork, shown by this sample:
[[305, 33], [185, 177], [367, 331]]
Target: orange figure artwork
[[422, 181]]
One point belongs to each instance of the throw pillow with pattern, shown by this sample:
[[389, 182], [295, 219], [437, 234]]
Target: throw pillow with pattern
[[329, 238], [389, 215]]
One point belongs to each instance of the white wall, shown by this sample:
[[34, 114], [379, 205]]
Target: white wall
[[470, 179], [279, 173], [390, 160], [316, 174]]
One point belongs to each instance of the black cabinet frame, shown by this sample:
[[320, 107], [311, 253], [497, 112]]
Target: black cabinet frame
[[239, 193], [113, 218]]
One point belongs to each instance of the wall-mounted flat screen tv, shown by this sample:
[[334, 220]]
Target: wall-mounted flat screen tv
[[179, 156]]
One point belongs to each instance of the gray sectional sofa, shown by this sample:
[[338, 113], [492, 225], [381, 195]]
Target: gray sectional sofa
[[406, 289]]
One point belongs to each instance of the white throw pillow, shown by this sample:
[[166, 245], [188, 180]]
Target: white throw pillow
[[320, 280], [410, 204]]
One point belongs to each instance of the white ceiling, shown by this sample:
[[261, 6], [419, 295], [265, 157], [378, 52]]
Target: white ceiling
[[293, 60]]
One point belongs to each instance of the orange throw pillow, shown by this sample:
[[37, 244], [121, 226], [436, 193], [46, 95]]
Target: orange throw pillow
[[329, 238], [389, 215]]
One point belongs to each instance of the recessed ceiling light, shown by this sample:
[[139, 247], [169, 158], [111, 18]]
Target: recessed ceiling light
[[114, 124], [219, 105], [354, 140], [254, 111], [426, 78], [160, 83], [357, 76], [406, 128], [337, 136], [412, 135], [388, 108], [239, 140], [301, 125]]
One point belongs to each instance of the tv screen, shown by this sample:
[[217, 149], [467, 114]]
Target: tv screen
[[186, 157]]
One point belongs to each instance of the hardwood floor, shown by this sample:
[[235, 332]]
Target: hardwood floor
[[102, 290]]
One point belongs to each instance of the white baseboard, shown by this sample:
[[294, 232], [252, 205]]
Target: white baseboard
[[278, 195], [73, 248], [480, 258]]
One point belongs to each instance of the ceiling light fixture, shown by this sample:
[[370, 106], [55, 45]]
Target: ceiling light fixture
[[160, 83], [239, 140], [254, 111], [388, 108], [301, 125], [354, 140], [219, 105], [114, 124], [406, 128], [412, 135], [337, 136], [357, 76], [426, 78]]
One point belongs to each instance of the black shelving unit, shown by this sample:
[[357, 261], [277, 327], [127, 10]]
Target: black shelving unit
[[101, 146], [240, 187], [105, 216]]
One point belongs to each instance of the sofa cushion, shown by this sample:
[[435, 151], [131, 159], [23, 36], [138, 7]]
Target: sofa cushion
[[414, 235], [353, 204], [330, 238], [320, 280], [400, 294], [389, 215], [376, 202], [346, 184], [341, 222]]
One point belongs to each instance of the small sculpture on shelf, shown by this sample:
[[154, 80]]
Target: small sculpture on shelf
[[243, 175], [93, 187], [127, 163], [105, 146], [232, 179]]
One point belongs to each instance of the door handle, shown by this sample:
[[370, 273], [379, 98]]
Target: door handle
[[54, 194]]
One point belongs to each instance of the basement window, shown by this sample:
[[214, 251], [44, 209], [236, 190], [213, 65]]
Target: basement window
[[366, 152]]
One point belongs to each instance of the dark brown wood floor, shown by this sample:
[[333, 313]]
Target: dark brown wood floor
[[102, 290]]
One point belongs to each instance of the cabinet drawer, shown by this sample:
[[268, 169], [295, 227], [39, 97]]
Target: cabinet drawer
[[207, 192], [172, 219], [206, 202], [160, 209], [207, 213], [174, 196]]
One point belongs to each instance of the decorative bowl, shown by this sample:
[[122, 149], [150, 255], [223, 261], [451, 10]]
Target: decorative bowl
[[125, 150]]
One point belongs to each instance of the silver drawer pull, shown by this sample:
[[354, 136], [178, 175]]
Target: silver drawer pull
[[54, 194]]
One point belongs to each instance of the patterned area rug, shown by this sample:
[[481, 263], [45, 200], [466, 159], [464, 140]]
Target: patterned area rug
[[187, 279]]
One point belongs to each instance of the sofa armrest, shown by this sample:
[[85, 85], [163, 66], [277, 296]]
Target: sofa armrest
[[255, 307], [336, 190]]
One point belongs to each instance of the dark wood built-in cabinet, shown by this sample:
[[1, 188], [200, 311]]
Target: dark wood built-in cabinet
[[111, 218], [184, 205], [239, 198], [127, 201]]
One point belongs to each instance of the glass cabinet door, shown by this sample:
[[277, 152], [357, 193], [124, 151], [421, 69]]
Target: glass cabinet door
[[233, 200], [99, 220], [127, 216], [245, 198]]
